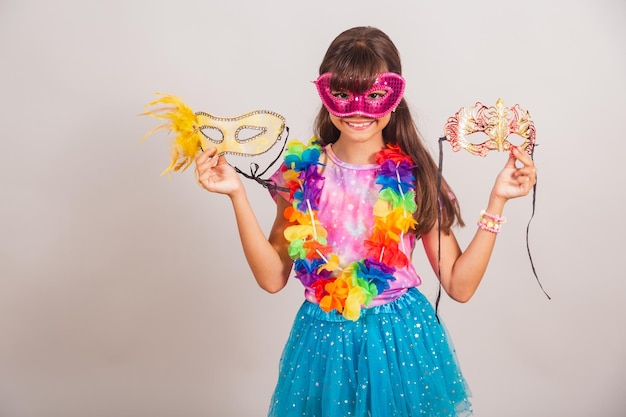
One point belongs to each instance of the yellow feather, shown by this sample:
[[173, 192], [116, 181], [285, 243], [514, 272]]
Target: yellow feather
[[182, 120]]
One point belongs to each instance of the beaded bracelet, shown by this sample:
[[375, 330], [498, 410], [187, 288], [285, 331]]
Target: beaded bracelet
[[490, 222]]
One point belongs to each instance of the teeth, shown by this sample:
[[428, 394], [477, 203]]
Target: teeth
[[359, 125]]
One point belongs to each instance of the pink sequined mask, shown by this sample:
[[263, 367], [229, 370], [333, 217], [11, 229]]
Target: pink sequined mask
[[377, 101]]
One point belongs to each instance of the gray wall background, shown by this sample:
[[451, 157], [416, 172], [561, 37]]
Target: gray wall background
[[125, 294]]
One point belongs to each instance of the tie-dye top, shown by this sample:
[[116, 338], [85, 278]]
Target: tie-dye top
[[346, 211]]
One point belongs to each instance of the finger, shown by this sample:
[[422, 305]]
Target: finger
[[529, 183], [221, 160], [527, 180], [525, 170], [522, 156], [510, 163], [206, 155]]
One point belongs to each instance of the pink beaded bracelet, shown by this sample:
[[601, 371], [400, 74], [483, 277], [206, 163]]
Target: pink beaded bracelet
[[490, 222]]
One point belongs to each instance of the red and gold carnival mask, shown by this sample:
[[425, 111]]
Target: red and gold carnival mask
[[497, 122]]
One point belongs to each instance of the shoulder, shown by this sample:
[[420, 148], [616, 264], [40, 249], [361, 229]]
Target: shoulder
[[277, 184]]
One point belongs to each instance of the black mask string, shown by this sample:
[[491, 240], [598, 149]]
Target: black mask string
[[439, 181], [254, 168], [532, 264]]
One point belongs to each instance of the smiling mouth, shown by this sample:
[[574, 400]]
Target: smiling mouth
[[360, 125]]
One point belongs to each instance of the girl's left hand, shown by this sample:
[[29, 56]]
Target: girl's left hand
[[514, 181]]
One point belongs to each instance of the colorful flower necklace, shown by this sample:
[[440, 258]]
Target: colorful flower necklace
[[347, 289]]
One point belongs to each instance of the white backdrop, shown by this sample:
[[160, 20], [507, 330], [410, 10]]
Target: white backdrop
[[125, 294]]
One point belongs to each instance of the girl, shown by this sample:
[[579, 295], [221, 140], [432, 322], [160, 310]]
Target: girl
[[365, 342]]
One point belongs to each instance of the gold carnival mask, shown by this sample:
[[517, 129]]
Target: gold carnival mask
[[497, 122], [249, 134]]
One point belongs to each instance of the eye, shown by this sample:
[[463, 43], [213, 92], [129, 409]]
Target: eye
[[376, 94], [212, 133], [340, 95], [516, 140]]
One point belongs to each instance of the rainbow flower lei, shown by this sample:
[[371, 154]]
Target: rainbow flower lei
[[349, 288]]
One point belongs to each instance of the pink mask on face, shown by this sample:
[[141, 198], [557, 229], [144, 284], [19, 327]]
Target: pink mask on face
[[345, 103]]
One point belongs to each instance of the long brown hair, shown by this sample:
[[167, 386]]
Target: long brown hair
[[359, 54]]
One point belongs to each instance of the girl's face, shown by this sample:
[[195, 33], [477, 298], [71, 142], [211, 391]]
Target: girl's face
[[361, 117]]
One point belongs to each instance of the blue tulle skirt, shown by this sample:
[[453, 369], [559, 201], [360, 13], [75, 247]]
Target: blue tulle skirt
[[396, 360]]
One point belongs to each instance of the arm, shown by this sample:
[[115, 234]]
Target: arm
[[267, 256], [462, 271]]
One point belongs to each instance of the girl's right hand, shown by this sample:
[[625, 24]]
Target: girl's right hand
[[215, 174]]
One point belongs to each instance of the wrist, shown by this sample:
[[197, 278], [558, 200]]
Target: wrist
[[496, 204], [238, 194], [490, 222]]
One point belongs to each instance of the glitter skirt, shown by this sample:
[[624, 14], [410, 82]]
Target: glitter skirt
[[396, 360]]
